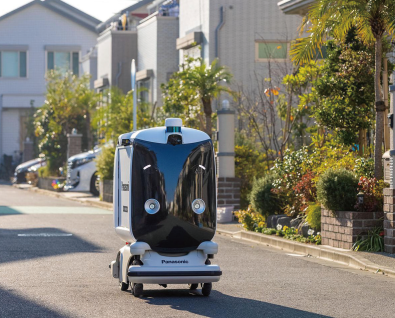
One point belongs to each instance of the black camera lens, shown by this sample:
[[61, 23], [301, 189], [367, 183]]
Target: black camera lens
[[174, 140]]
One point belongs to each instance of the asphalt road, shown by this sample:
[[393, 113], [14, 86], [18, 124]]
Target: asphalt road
[[68, 275]]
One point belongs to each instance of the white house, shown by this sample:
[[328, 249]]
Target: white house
[[34, 38]]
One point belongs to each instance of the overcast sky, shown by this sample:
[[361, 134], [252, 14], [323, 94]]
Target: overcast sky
[[100, 9]]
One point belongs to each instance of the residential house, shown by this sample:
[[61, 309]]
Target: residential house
[[117, 46], [35, 38], [247, 36], [157, 53]]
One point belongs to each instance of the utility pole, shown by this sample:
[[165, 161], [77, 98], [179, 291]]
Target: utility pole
[[133, 75]]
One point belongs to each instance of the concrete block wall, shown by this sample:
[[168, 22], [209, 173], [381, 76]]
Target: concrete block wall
[[343, 228], [228, 192], [389, 220]]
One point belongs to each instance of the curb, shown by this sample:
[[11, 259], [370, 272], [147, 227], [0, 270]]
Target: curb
[[97, 204], [311, 250]]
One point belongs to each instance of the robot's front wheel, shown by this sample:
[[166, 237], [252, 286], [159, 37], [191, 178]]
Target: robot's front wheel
[[193, 286], [123, 286], [206, 290], [137, 289]]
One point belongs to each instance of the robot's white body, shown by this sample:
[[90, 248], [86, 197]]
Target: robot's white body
[[165, 208]]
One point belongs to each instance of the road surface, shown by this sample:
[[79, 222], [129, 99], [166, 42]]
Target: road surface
[[65, 273]]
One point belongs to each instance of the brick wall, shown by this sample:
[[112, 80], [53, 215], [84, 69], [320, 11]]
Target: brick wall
[[342, 228], [228, 192], [389, 220]]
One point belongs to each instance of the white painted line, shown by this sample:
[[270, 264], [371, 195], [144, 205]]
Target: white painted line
[[146, 167], [296, 255], [45, 234], [202, 167]]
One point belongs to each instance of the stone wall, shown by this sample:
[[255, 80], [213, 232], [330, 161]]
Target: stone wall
[[342, 228], [107, 194], [228, 192], [389, 220]]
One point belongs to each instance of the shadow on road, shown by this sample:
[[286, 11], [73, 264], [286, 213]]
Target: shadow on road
[[23, 244], [16, 306], [220, 305], [6, 210]]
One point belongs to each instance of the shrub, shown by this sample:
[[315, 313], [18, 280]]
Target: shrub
[[337, 189], [105, 163], [262, 198], [306, 191], [248, 163], [43, 172], [364, 167], [373, 194], [251, 221], [314, 216]]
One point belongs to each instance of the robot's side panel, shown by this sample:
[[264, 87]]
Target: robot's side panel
[[124, 186]]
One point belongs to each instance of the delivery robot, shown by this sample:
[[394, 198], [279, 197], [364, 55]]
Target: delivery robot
[[165, 208]]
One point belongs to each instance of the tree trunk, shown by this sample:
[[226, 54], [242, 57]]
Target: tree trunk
[[380, 108], [208, 112]]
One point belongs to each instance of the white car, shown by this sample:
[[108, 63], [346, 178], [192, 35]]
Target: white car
[[82, 173]]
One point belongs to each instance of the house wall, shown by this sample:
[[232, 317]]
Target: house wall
[[124, 50], [157, 51], [167, 53], [245, 22], [36, 27], [104, 55]]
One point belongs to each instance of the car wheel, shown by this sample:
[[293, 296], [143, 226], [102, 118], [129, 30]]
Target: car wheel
[[95, 184]]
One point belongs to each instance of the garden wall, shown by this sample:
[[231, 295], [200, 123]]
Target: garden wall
[[107, 194], [228, 192], [46, 183], [342, 228]]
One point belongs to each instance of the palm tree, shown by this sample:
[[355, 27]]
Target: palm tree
[[373, 19], [206, 81]]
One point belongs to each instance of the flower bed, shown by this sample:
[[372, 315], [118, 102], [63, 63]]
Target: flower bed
[[292, 234]]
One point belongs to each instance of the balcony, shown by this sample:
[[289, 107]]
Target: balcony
[[295, 6]]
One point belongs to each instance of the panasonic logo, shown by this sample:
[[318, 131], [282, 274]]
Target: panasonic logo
[[174, 262]]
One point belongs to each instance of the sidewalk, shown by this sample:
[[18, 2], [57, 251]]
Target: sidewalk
[[380, 263], [83, 197]]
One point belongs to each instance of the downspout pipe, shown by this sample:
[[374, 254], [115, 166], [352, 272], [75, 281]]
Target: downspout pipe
[[118, 74], [218, 28]]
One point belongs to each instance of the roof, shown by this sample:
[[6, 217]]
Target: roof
[[102, 26], [63, 9]]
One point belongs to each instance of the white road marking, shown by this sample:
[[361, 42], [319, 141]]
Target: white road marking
[[202, 167], [45, 234], [146, 167], [296, 255]]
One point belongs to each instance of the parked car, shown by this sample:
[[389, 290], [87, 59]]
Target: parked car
[[23, 168], [82, 173]]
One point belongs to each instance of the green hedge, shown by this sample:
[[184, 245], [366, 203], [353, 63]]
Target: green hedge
[[263, 199], [337, 189]]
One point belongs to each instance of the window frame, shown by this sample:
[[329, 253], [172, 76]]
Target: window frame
[[257, 42], [71, 69], [19, 64]]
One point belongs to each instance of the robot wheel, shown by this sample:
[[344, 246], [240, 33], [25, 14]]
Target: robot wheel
[[206, 289], [136, 289]]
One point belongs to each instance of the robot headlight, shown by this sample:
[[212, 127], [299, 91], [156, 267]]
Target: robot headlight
[[198, 206], [151, 206]]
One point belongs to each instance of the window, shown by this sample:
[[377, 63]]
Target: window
[[323, 54], [266, 51], [63, 61], [13, 64]]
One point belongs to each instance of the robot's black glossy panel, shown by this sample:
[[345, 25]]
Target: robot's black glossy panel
[[175, 175]]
